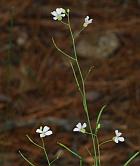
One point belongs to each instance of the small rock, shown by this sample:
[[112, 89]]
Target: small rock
[[99, 45], [93, 96], [4, 98], [22, 39]]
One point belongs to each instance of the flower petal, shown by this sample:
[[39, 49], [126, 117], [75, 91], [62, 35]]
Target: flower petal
[[119, 134], [55, 18], [63, 10], [62, 15], [46, 128], [90, 21], [58, 10], [86, 18], [38, 131], [116, 139], [121, 139], [54, 13], [79, 125], [116, 132], [42, 135], [76, 129], [84, 125], [49, 133]]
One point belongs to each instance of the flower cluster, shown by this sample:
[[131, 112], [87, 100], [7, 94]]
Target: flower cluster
[[59, 13], [45, 131]]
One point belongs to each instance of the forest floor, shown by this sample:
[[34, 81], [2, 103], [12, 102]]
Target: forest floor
[[37, 85]]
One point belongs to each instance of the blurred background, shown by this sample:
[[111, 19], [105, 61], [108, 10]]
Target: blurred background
[[37, 86]]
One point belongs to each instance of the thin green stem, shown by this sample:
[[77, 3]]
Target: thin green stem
[[72, 36], [99, 154], [81, 162], [89, 133], [68, 56], [75, 54], [90, 128], [34, 142], [102, 143], [132, 158], [83, 88], [29, 162], [53, 161], [78, 85], [93, 140], [57, 157], [78, 33], [88, 151], [63, 22], [43, 144], [90, 69], [71, 151]]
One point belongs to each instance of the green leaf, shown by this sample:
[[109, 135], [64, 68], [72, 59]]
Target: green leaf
[[99, 115]]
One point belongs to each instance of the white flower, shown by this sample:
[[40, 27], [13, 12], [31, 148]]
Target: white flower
[[58, 14], [44, 131], [87, 21], [80, 128], [117, 138]]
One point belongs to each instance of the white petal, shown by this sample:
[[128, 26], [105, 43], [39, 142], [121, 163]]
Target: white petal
[[84, 125], [63, 15], [90, 21], [63, 10], [54, 13], [116, 132], [121, 139], [42, 135], [48, 132], [76, 129], [119, 134], [79, 125], [38, 131], [86, 19], [58, 10], [46, 128], [116, 139], [55, 18]]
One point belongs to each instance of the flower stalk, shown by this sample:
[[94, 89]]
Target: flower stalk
[[44, 148]]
